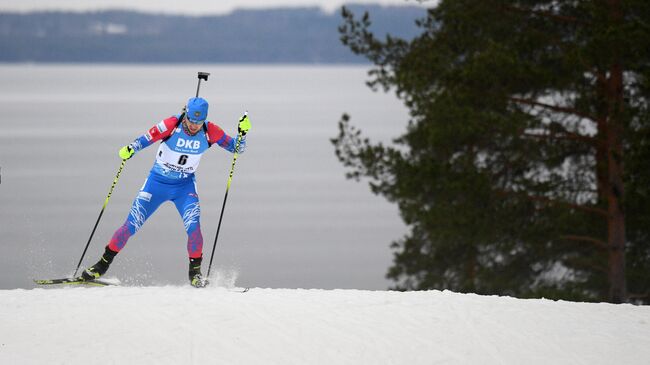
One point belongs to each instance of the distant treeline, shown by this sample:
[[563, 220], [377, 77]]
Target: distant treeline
[[291, 35]]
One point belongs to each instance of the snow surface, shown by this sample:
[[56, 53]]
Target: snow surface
[[184, 325]]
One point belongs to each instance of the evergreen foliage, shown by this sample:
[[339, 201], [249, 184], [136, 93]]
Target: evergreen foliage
[[524, 167]]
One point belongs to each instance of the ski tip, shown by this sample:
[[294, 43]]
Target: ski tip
[[238, 290], [43, 281]]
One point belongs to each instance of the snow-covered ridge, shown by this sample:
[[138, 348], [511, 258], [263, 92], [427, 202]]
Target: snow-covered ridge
[[183, 325]]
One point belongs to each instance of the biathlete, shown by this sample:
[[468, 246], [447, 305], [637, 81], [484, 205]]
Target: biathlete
[[185, 138]]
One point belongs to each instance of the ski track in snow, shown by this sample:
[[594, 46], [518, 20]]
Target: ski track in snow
[[183, 325]]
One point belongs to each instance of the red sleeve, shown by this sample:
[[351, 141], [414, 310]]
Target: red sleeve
[[162, 129], [216, 134]]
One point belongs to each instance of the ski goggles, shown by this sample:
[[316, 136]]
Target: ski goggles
[[197, 122]]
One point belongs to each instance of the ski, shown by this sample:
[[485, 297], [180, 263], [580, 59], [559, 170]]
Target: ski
[[239, 290], [73, 281], [100, 282]]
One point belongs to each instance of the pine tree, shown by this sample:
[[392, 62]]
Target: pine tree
[[524, 167]]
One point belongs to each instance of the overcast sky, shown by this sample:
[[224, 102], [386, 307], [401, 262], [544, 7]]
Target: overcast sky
[[193, 7]]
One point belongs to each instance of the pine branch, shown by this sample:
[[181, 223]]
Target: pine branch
[[600, 244], [565, 136], [556, 108], [600, 76], [550, 201], [638, 295], [547, 14], [583, 264], [555, 202]]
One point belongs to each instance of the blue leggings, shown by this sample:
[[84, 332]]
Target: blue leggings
[[156, 190]]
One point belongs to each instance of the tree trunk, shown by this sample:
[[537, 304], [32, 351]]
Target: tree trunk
[[469, 285], [615, 193], [616, 215]]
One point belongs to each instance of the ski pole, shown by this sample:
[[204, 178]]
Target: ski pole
[[100, 216], [223, 207]]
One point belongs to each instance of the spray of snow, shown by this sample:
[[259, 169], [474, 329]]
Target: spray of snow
[[224, 278]]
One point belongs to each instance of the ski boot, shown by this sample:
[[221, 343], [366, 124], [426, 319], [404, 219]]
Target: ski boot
[[196, 278], [97, 270]]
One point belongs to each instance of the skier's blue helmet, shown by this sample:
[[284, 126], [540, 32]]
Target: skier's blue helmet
[[197, 110]]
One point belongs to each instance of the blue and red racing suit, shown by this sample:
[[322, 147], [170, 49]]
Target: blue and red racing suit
[[172, 178]]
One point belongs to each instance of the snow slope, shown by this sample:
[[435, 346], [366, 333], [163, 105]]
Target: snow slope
[[183, 325]]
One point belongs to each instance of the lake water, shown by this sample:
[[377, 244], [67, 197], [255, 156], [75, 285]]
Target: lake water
[[292, 219]]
